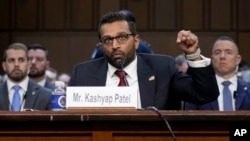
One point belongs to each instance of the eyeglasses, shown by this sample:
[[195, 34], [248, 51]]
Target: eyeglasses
[[121, 39]]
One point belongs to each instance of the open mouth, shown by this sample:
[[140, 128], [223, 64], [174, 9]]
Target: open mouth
[[117, 55]]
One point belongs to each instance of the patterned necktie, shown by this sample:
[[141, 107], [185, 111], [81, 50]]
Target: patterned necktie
[[122, 75], [16, 99], [227, 96]]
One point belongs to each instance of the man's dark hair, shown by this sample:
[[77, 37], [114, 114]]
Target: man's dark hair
[[39, 46], [226, 38], [117, 16], [15, 46], [180, 59], [129, 14]]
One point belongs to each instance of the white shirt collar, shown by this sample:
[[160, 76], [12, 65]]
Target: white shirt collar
[[130, 69], [233, 79], [42, 82], [23, 84]]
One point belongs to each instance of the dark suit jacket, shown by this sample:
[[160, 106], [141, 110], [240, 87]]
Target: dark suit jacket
[[165, 91], [242, 100], [50, 86], [36, 97]]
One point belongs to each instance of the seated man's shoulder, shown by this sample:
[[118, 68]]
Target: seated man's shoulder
[[40, 88], [49, 85], [91, 64]]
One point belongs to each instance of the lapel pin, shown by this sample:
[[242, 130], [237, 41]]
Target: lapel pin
[[245, 88], [33, 93], [151, 78]]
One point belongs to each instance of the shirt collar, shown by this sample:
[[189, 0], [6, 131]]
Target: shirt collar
[[23, 84], [42, 82], [128, 69], [233, 79]]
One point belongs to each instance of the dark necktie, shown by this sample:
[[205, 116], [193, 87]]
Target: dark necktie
[[122, 75], [15, 106], [227, 97]]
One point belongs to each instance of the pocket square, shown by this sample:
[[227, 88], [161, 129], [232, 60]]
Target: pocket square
[[151, 78]]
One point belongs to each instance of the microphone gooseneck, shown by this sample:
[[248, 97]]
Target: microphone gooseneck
[[122, 62], [235, 94], [152, 108]]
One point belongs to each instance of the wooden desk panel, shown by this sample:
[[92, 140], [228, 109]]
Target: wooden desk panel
[[118, 125]]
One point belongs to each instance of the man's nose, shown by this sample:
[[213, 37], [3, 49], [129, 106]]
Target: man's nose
[[33, 60], [16, 63], [115, 44], [222, 55]]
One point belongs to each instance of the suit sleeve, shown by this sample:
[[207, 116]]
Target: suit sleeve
[[200, 88]]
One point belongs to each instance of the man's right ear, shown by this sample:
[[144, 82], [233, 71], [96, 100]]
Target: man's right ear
[[137, 41], [3, 66]]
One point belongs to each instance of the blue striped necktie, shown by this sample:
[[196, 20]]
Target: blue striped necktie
[[227, 97], [16, 100]]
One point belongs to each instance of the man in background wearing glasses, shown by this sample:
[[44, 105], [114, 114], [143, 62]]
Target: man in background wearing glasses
[[157, 78]]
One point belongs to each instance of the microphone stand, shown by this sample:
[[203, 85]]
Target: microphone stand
[[152, 108]]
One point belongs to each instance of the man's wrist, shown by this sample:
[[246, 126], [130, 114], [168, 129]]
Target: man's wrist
[[194, 56]]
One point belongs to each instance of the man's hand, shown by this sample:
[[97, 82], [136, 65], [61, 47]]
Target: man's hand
[[188, 43]]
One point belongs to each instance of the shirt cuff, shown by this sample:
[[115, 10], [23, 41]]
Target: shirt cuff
[[201, 63]]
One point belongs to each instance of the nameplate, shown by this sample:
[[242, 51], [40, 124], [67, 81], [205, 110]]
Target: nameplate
[[101, 97]]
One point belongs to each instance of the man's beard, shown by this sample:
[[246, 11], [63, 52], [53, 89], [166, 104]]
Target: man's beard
[[36, 74], [17, 77], [121, 62]]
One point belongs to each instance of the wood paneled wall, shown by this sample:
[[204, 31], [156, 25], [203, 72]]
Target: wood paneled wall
[[68, 28]]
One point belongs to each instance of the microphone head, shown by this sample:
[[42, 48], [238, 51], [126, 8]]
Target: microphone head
[[121, 63]]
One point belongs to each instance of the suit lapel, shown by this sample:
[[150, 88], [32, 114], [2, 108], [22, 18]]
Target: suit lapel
[[147, 82], [241, 93], [99, 76], [31, 95], [49, 85], [4, 97]]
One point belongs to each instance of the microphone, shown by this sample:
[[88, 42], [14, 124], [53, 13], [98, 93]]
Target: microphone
[[24, 99], [235, 94], [122, 62], [24, 95], [152, 108]]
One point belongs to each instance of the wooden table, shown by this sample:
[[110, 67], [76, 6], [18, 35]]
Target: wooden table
[[118, 125]]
